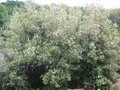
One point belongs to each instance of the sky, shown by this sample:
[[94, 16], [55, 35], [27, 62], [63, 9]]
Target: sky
[[104, 3]]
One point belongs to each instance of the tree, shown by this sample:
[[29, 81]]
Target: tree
[[12, 6], [3, 15], [47, 46], [115, 16], [96, 51], [38, 54]]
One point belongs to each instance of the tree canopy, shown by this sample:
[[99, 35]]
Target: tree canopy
[[115, 16], [53, 46], [12, 6], [3, 15], [7, 9]]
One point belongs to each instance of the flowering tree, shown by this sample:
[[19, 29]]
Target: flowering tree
[[52, 46]]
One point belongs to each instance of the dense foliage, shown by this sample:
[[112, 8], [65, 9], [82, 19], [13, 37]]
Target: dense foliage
[[3, 15], [7, 9], [12, 6], [115, 16], [49, 47]]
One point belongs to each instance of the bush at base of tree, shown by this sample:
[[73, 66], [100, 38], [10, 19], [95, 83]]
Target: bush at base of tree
[[55, 46]]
